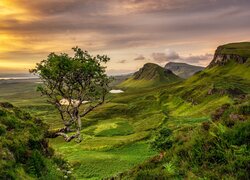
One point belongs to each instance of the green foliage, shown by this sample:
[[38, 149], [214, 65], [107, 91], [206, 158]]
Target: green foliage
[[66, 76], [239, 134], [24, 152], [73, 80], [36, 165], [163, 140], [119, 132]]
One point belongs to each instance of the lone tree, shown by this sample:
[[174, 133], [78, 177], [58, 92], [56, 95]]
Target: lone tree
[[74, 85]]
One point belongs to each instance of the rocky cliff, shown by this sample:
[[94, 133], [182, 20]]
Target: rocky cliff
[[239, 52]]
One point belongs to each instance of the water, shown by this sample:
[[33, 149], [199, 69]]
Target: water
[[116, 91], [17, 78]]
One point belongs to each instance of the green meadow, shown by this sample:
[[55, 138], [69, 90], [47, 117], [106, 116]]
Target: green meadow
[[116, 135]]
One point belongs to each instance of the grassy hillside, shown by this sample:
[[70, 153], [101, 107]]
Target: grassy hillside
[[24, 150], [242, 49], [207, 115], [209, 120], [150, 75], [116, 133]]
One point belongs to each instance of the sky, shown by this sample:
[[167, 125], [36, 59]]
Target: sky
[[130, 32]]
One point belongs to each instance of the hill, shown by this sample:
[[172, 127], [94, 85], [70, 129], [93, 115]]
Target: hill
[[150, 75], [239, 52], [212, 148], [24, 150], [183, 70], [205, 118], [222, 80], [117, 79]]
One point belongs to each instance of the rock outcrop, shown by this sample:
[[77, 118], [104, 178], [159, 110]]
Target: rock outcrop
[[223, 55]]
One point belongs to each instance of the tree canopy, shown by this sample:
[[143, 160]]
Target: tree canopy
[[74, 85]]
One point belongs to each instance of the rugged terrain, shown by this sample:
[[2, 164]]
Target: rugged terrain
[[207, 115], [24, 149]]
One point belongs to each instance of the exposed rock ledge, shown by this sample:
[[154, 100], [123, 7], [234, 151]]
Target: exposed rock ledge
[[222, 59]]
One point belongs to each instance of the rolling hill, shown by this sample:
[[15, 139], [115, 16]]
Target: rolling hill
[[208, 116], [150, 75], [216, 147], [183, 70]]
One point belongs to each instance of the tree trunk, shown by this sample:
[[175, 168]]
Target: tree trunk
[[79, 128], [63, 131]]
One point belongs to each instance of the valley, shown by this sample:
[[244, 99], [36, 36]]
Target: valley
[[207, 114]]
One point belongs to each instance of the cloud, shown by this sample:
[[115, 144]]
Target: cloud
[[122, 61], [171, 55], [198, 58], [139, 58], [159, 57], [122, 26]]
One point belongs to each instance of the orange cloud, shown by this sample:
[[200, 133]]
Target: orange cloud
[[30, 30]]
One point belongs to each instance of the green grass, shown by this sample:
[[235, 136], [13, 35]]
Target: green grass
[[94, 164], [150, 75], [24, 151], [117, 134], [241, 49]]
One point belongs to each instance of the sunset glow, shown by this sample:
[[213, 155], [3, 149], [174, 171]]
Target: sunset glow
[[124, 30]]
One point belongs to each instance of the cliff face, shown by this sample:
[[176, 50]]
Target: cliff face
[[225, 53]]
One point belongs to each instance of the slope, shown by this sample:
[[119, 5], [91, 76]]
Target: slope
[[183, 70], [212, 148], [119, 132], [150, 75], [24, 150]]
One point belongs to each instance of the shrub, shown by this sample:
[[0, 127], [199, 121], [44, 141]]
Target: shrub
[[2, 129], [36, 164], [162, 141], [239, 134]]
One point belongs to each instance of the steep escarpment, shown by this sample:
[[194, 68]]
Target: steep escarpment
[[216, 147], [227, 75], [238, 52]]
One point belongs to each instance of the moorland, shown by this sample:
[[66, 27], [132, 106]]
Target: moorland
[[161, 127]]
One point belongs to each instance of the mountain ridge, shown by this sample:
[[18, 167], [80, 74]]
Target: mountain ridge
[[183, 70], [150, 74], [239, 52]]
